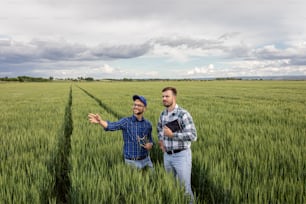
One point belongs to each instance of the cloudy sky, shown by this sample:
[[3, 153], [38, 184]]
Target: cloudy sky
[[152, 39]]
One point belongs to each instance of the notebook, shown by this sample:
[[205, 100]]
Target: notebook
[[174, 126]]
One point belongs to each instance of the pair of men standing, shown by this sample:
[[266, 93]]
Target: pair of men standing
[[175, 143]]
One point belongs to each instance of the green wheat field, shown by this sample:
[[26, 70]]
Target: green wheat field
[[251, 145]]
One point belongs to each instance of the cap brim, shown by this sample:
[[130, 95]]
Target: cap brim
[[136, 97]]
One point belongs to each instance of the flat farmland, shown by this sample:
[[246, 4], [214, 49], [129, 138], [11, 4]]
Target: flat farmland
[[250, 147]]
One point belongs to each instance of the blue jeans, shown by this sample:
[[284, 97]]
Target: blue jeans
[[140, 164], [180, 165]]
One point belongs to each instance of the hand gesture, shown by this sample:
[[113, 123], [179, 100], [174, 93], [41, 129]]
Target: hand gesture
[[94, 118]]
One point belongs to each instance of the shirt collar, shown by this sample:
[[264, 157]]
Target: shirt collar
[[135, 119], [174, 110]]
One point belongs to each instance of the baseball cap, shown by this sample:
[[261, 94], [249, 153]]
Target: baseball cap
[[141, 98]]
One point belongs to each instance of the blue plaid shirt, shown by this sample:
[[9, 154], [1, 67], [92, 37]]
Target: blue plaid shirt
[[131, 128], [181, 139]]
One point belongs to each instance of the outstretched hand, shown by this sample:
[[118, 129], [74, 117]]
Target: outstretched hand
[[94, 118]]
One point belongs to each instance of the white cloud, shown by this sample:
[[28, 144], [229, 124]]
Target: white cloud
[[209, 70], [106, 69]]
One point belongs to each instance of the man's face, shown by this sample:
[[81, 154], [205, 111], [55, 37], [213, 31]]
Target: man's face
[[138, 107], [168, 98]]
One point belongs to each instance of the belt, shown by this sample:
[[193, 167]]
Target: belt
[[175, 151], [136, 158]]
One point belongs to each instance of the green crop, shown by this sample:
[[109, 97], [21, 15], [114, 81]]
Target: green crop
[[250, 147]]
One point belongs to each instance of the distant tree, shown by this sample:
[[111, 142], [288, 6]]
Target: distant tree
[[89, 78], [127, 79], [20, 78]]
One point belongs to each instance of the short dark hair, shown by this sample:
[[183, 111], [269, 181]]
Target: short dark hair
[[171, 89]]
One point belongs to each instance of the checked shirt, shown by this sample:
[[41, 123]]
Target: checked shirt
[[181, 139], [131, 128]]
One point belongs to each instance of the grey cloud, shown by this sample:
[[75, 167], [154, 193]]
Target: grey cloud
[[298, 61], [228, 36], [58, 50], [223, 45], [39, 51], [294, 55], [269, 52], [17, 52], [121, 51], [189, 42], [289, 55]]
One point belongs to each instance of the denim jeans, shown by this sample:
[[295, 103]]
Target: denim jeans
[[140, 164], [180, 165]]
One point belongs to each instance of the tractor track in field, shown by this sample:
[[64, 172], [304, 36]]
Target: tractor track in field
[[62, 181], [62, 167], [102, 105]]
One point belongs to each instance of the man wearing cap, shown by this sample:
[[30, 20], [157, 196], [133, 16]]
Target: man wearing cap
[[136, 132]]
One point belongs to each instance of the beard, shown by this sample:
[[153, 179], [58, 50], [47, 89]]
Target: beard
[[137, 112], [167, 105]]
